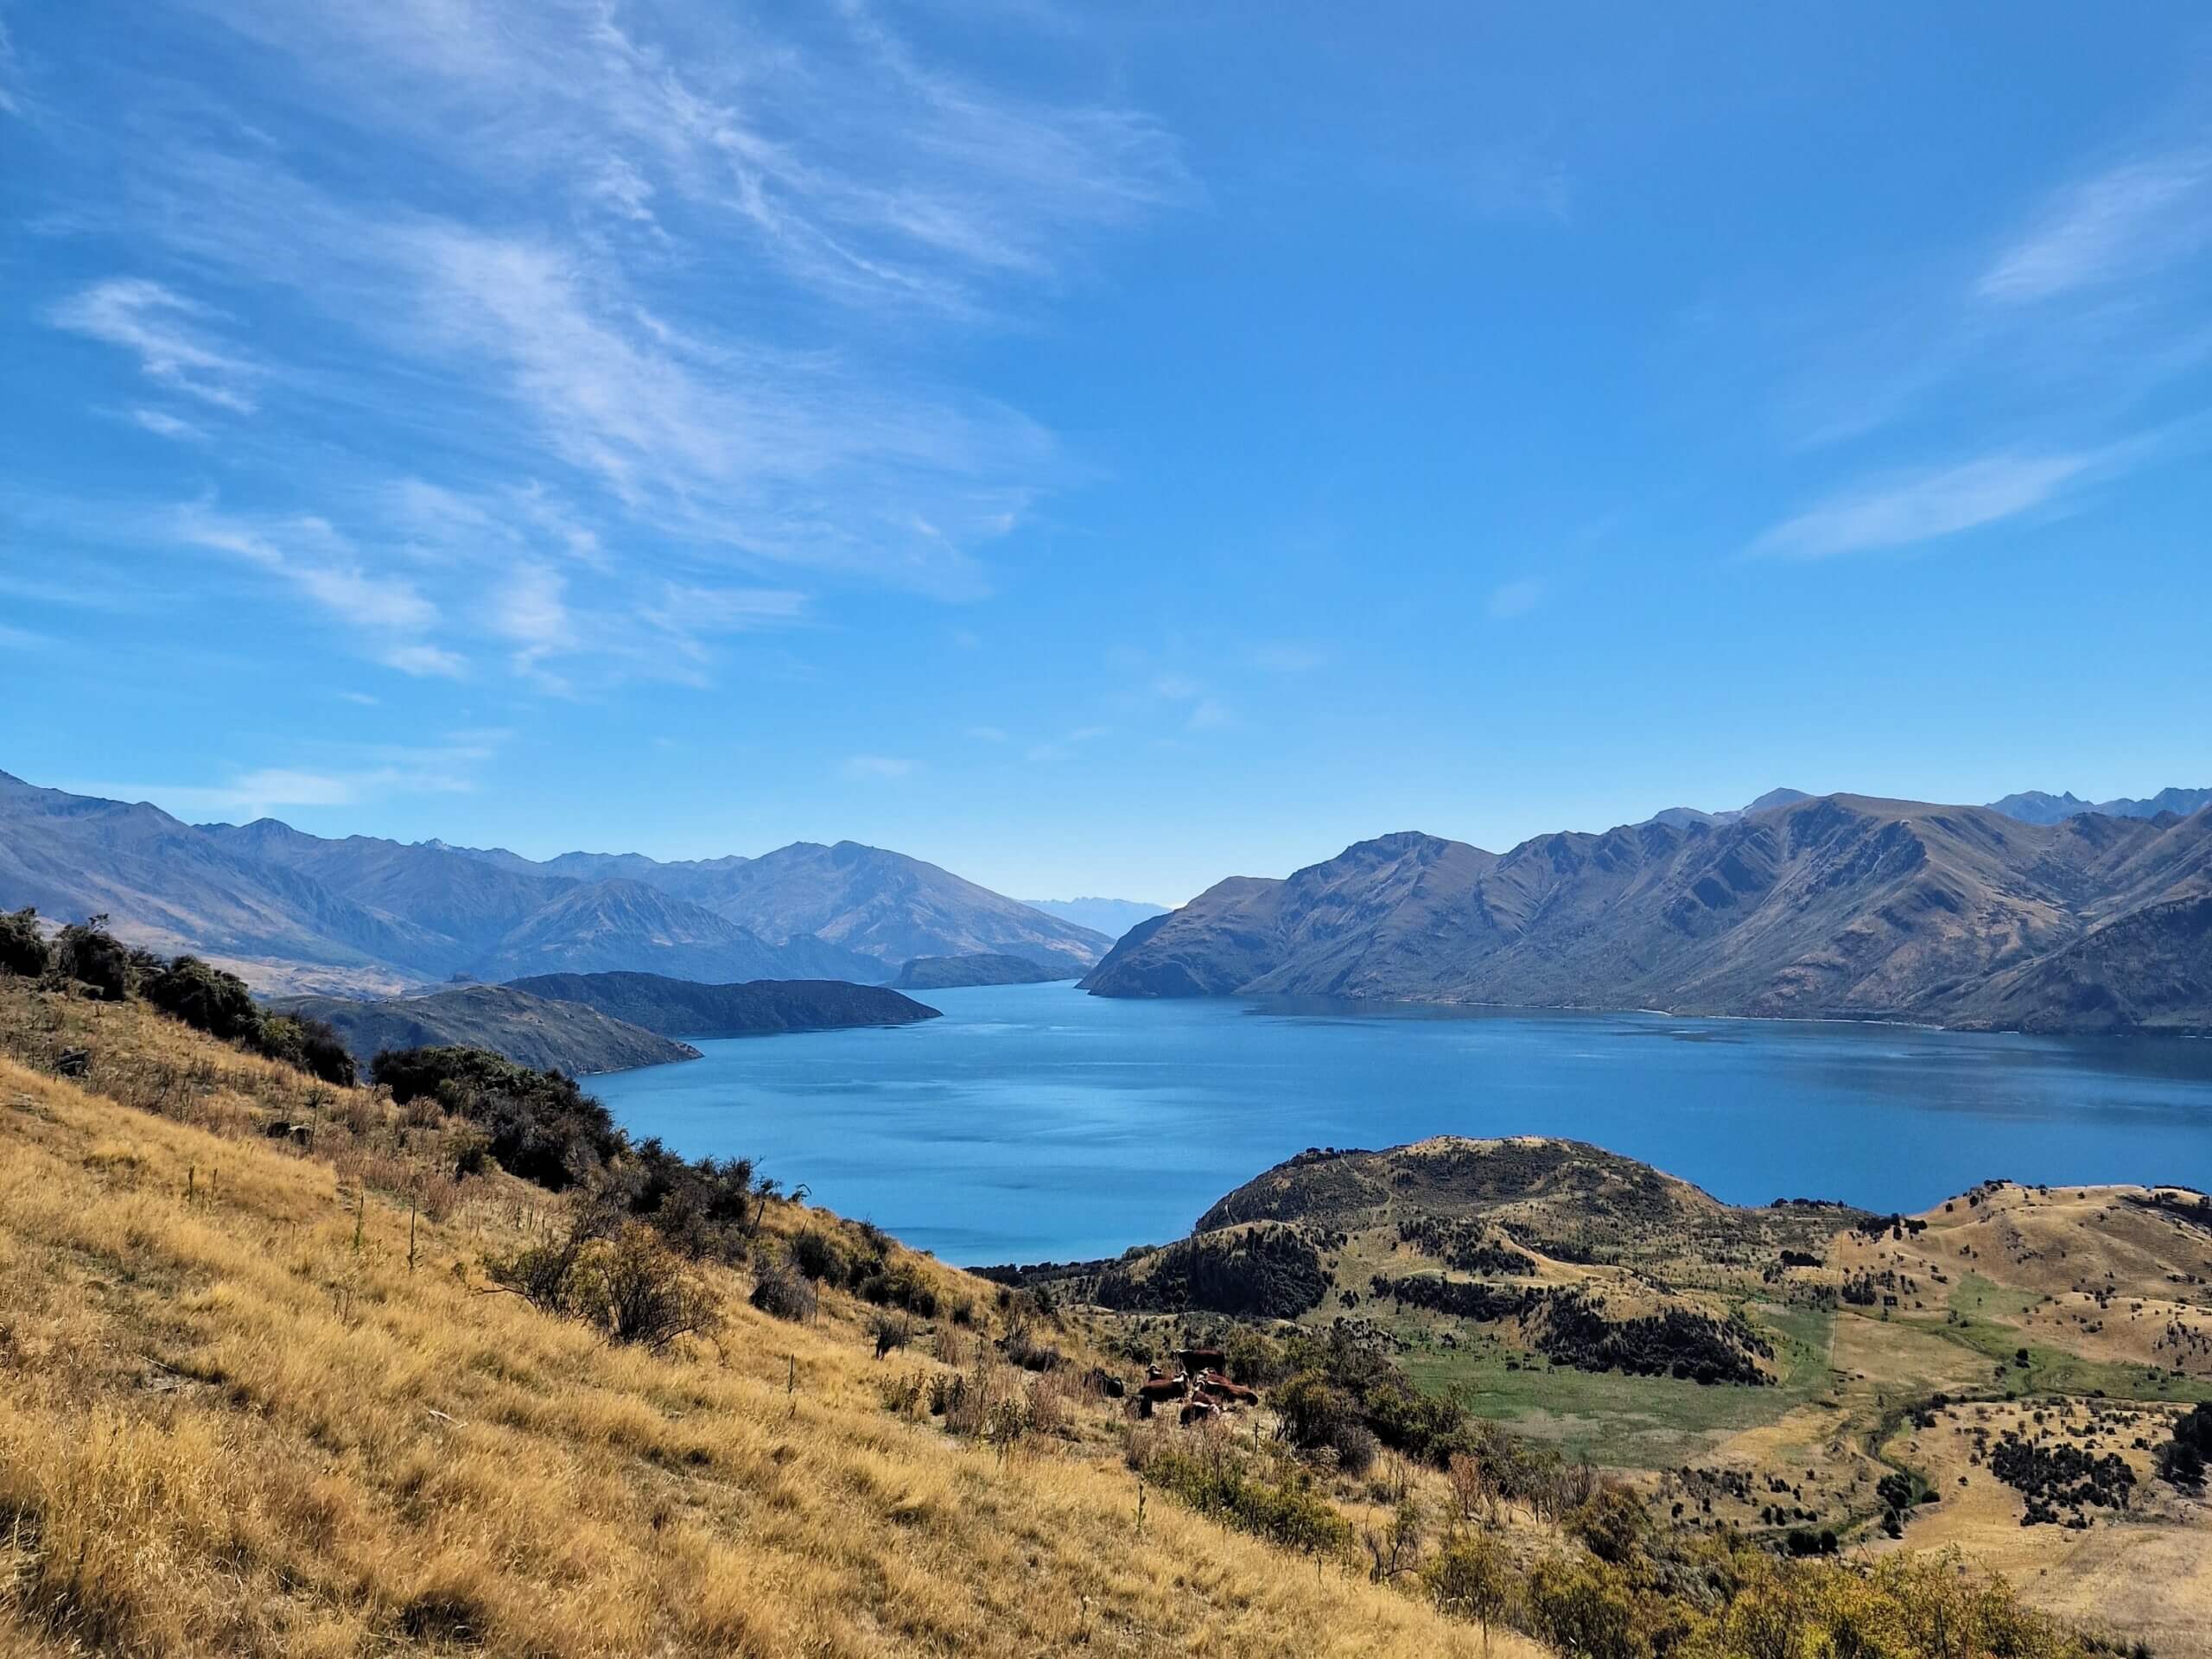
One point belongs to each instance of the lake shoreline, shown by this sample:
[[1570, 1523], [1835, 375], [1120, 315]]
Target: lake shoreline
[[1027, 1125]]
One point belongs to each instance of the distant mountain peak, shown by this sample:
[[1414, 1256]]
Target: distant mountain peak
[[2041, 806], [1778, 798]]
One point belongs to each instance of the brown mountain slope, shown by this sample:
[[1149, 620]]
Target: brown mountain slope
[[255, 1402], [886, 906], [1834, 905]]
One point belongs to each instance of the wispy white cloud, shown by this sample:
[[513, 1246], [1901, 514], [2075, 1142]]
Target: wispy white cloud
[[1924, 506], [987, 734], [1209, 715], [309, 555], [163, 424], [635, 305], [1515, 598], [425, 662], [2148, 212], [11, 96], [449, 767], [361, 697], [170, 334], [877, 768], [529, 610]]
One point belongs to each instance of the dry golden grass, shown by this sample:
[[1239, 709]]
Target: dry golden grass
[[2147, 1573], [227, 1426]]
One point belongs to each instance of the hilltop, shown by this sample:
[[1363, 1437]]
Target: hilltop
[[532, 1031], [1829, 906], [675, 1007], [1999, 1374]]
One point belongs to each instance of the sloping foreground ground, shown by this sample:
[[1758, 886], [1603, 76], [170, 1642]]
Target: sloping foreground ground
[[249, 1405]]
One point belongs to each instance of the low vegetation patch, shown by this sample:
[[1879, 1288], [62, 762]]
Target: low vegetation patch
[[1258, 1272]]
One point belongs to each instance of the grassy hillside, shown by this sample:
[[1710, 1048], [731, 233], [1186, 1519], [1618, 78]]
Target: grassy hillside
[[268, 1395], [242, 1415]]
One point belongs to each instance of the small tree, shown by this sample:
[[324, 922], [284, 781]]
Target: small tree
[[205, 998], [637, 1290], [1469, 1579], [87, 952], [816, 1255], [23, 948]]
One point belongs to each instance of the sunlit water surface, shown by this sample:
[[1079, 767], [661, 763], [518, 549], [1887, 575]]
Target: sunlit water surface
[[1034, 1123]]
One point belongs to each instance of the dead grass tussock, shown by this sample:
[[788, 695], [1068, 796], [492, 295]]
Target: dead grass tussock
[[225, 1428]]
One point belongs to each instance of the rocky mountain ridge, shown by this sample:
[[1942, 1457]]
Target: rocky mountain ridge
[[1829, 906], [296, 912]]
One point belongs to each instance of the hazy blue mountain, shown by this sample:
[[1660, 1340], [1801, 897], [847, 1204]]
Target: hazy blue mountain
[[470, 902], [876, 904], [167, 885], [2040, 806], [888, 907], [676, 1007], [1835, 905], [292, 912], [599, 926], [1111, 916], [556, 1036]]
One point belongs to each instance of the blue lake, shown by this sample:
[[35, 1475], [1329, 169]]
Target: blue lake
[[1034, 1123]]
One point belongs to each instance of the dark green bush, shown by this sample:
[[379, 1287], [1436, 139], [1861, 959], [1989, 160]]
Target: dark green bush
[[312, 1045], [815, 1255], [205, 998], [87, 952], [540, 1126], [23, 948]]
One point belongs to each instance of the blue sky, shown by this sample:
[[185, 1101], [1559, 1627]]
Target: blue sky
[[1097, 449]]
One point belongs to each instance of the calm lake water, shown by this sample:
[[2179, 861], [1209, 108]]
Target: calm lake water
[[1034, 1123]]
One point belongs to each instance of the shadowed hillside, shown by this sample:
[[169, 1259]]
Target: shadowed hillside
[[676, 1007], [529, 1030]]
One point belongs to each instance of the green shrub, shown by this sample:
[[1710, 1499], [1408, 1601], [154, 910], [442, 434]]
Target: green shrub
[[23, 948], [1314, 1411], [1283, 1512], [639, 1290], [87, 952], [205, 998], [815, 1255], [306, 1045], [1584, 1608], [1470, 1578]]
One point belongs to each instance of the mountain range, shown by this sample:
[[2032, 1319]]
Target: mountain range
[[2040, 806], [1112, 917], [1826, 906], [292, 912]]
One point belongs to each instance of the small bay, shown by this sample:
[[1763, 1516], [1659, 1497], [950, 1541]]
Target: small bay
[[1034, 1123]]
